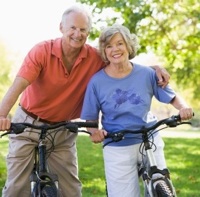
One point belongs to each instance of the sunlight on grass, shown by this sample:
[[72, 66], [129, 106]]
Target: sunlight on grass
[[183, 158], [91, 170]]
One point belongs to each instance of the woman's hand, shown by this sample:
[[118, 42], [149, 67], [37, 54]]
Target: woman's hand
[[186, 113], [97, 135]]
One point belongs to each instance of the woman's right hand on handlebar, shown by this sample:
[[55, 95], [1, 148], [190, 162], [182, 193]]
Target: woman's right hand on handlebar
[[186, 113], [4, 123], [97, 135]]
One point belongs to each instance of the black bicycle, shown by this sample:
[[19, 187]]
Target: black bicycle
[[44, 183], [159, 185]]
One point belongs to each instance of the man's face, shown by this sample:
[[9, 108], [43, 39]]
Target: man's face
[[75, 29]]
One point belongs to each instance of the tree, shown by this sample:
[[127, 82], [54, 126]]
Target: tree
[[5, 67], [170, 29]]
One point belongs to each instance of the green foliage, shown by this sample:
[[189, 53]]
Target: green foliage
[[171, 29], [5, 67]]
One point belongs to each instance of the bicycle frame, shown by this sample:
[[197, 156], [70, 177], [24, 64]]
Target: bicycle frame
[[157, 182], [150, 172], [40, 175], [43, 182]]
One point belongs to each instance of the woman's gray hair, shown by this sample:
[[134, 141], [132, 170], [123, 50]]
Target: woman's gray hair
[[107, 33], [78, 8]]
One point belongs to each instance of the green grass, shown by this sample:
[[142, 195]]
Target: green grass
[[182, 155], [91, 170], [183, 159], [3, 152]]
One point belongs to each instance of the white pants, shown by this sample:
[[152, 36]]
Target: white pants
[[121, 168]]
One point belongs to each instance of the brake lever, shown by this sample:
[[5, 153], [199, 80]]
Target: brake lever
[[174, 121], [117, 137], [72, 127], [6, 133]]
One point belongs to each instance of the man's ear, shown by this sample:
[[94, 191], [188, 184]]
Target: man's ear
[[61, 27]]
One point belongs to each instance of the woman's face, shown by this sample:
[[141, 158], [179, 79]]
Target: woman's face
[[116, 50]]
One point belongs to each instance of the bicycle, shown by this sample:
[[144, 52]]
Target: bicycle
[[43, 183], [161, 185]]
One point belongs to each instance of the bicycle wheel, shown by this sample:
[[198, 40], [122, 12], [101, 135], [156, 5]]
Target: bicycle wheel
[[162, 189], [45, 190], [49, 191]]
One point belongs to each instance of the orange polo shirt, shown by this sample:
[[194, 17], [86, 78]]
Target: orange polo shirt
[[53, 93]]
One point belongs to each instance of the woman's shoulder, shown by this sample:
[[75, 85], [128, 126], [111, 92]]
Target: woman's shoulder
[[99, 74], [143, 68]]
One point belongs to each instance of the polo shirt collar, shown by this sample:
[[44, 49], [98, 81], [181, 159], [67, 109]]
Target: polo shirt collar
[[57, 49]]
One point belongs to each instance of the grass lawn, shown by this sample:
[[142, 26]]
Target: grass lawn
[[3, 152], [182, 155], [183, 160]]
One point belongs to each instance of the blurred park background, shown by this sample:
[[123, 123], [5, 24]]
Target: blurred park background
[[169, 34]]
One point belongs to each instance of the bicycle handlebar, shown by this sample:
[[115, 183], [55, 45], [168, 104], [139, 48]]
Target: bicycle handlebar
[[17, 128], [172, 121]]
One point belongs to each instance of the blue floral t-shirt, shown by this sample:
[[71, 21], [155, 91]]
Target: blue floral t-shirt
[[124, 103]]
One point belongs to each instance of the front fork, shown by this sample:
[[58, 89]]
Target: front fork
[[40, 170], [151, 174]]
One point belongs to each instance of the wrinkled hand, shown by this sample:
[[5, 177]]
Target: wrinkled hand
[[186, 113], [163, 76], [98, 135], [4, 123]]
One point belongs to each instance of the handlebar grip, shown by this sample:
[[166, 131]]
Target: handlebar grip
[[87, 124], [73, 126], [177, 117], [175, 120]]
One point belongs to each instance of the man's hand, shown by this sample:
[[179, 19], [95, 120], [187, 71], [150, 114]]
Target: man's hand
[[4, 123], [162, 74]]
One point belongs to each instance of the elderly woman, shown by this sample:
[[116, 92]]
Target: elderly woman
[[123, 92]]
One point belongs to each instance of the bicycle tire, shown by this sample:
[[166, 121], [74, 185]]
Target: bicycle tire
[[49, 191], [163, 190]]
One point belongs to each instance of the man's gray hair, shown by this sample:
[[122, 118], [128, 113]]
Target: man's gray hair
[[78, 8]]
